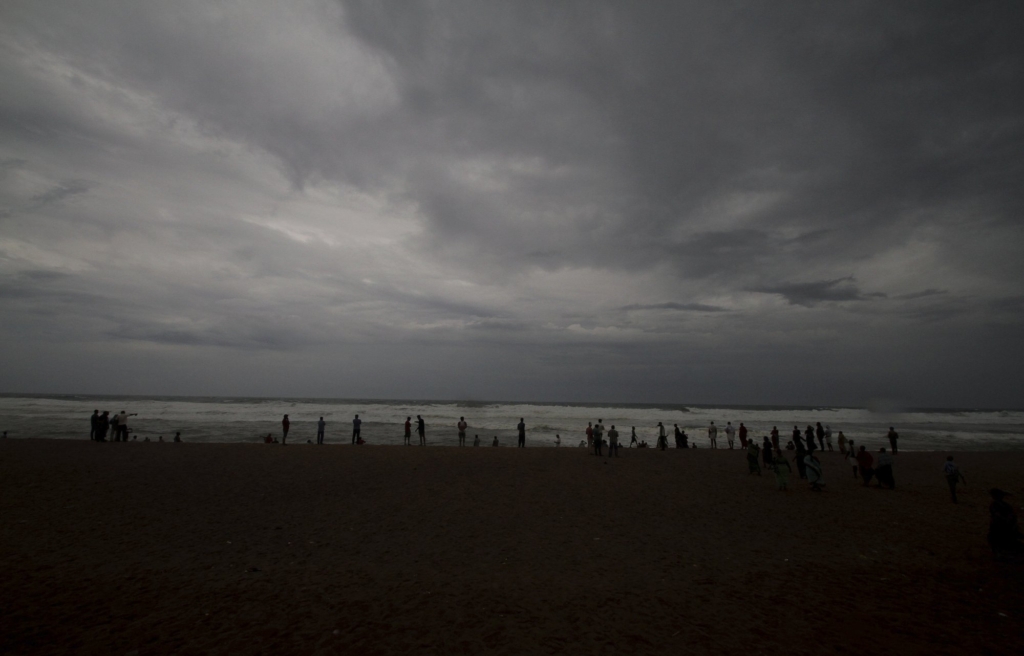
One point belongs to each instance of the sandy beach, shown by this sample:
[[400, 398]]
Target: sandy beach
[[155, 548]]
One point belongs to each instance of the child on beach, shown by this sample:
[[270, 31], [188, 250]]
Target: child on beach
[[558, 440], [476, 440]]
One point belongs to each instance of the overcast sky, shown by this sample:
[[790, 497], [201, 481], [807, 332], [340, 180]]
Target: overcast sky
[[716, 202]]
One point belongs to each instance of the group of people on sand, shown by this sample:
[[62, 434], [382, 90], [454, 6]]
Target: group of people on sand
[[116, 426]]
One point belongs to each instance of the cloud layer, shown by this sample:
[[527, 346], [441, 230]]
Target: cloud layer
[[730, 203]]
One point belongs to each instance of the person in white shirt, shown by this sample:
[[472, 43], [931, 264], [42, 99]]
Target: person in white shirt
[[730, 433]]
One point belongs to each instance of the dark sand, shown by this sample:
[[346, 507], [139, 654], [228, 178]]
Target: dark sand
[[189, 548]]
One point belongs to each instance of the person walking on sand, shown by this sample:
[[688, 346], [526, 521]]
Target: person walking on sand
[[285, 425], [94, 423], [842, 443], [730, 433], [753, 457], [953, 476], [819, 431], [462, 425], [783, 470], [662, 437], [590, 434], [828, 436], [421, 429], [613, 442], [408, 431], [893, 436], [743, 435], [320, 426], [632, 439], [357, 425], [865, 463], [713, 435], [521, 427], [883, 472], [815, 475], [775, 438]]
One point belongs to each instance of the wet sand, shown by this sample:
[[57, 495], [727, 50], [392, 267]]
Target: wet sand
[[234, 548]]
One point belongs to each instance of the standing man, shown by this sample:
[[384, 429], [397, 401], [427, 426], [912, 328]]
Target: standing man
[[421, 428], [94, 423], [743, 435], [613, 442], [679, 437], [102, 424], [408, 431], [713, 435], [730, 433], [599, 437], [893, 436], [820, 433], [285, 425], [522, 433], [775, 438], [122, 424], [357, 425], [662, 437], [632, 439], [320, 425], [462, 431]]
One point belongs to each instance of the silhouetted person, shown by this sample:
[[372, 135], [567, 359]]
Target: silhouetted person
[[743, 435], [819, 432], [94, 423], [730, 433], [285, 425], [662, 437], [809, 439], [828, 436], [1003, 532], [775, 438], [598, 437], [462, 425], [476, 440], [753, 454], [521, 427], [590, 435], [613, 442], [953, 476], [408, 431], [177, 437], [102, 426], [766, 452], [679, 435], [883, 470], [683, 439], [357, 429], [713, 435], [320, 426], [865, 462], [632, 438], [801, 453], [893, 437], [495, 442], [421, 429]]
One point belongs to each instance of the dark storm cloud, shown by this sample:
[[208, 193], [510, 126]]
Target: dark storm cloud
[[527, 178]]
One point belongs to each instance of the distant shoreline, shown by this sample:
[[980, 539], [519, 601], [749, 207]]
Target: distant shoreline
[[675, 407]]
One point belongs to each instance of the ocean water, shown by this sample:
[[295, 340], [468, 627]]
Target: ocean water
[[215, 419]]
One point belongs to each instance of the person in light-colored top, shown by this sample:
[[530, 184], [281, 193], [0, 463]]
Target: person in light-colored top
[[730, 433], [713, 435], [662, 437], [462, 425], [613, 442]]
